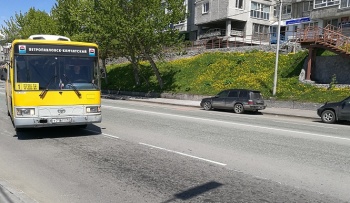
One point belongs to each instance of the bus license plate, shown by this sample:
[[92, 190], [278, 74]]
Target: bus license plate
[[61, 120]]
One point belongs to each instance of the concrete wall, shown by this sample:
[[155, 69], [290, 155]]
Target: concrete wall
[[327, 66], [328, 12], [217, 11], [284, 49]]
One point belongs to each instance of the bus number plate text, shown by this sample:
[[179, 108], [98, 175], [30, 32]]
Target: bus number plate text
[[27, 86], [61, 120]]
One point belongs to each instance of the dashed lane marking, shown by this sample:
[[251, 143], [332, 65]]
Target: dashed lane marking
[[183, 154]]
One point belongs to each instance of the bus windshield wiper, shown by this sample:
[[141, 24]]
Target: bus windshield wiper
[[74, 88], [43, 93]]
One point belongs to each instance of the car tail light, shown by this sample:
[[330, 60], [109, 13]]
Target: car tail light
[[250, 102]]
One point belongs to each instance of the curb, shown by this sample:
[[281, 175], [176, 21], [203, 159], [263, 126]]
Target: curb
[[130, 98], [10, 195]]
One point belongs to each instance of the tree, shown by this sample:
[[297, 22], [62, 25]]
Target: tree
[[67, 15], [31, 22], [92, 21], [135, 29], [11, 30], [146, 29]]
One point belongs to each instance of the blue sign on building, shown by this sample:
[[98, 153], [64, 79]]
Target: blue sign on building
[[298, 21]]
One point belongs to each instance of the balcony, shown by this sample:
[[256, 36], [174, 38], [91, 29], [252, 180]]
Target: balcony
[[217, 32], [327, 3]]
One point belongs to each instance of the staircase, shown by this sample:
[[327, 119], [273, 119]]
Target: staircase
[[329, 37]]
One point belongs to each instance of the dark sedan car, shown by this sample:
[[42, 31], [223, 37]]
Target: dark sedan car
[[238, 100], [336, 111]]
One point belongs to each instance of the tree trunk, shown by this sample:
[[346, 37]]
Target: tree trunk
[[135, 67], [104, 68], [155, 69]]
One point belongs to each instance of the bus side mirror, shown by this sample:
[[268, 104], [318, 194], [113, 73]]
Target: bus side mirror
[[3, 72]]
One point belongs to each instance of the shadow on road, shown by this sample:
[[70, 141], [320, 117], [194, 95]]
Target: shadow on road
[[57, 132], [231, 111], [195, 191]]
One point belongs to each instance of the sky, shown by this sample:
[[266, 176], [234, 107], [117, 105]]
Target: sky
[[9, 8]]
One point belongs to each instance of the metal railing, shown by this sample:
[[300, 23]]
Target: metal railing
[[239, 41], [330, 36]]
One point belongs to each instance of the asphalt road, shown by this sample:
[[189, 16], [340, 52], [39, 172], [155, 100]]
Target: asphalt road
[[145, 152]]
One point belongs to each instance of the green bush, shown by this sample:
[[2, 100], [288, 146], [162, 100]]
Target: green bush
[[209, 73]]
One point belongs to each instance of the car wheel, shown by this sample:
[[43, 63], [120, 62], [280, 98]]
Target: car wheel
[[238, 108], [328, 116], [207, 105]]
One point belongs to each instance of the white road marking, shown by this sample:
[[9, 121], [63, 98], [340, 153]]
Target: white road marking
[[195, 157], [232, 115], [183, 154], [2, 92], [227, 122], [318, 126], [105, 134], [272, 119]]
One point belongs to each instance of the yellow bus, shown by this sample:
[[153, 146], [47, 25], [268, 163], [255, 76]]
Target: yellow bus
[[52, 81]]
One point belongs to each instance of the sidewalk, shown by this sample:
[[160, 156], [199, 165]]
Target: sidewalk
[[311, 114], [10, 195]]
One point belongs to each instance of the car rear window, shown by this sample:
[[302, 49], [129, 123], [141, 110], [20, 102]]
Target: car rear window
[[243, 94], [255, 95]]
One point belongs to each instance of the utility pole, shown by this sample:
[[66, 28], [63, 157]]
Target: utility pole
[[277, 49]]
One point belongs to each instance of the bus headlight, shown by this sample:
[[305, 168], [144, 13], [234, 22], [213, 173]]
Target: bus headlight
[[25, 111], [93, 109]]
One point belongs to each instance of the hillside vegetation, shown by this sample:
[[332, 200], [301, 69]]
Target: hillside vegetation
[[209, 73]]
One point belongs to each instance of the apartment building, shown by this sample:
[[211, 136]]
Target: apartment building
[[304, 13], [258, 19], [234, 19], [296, 15], [334, 12]]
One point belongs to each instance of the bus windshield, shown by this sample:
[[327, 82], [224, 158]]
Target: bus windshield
[[57, 72]]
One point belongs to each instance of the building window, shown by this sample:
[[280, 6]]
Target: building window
[[205, 8], [308, 6], [305, 25], [239, 4], [325, 3], [295, 28], [286, 9], [260, 11], [333, 22], [345, 3], [260, 32]]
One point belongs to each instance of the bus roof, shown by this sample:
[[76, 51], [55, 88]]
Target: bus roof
[[49, 37], [53, 42]]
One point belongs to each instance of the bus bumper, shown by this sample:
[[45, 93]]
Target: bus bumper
[[40, 122]]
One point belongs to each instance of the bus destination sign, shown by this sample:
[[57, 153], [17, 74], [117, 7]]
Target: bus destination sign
[[44, 49]]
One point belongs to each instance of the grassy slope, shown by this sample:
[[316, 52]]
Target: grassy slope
[[209, 73]]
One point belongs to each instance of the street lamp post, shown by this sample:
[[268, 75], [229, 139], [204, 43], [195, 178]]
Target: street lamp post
[[277, 49]]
